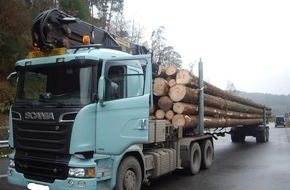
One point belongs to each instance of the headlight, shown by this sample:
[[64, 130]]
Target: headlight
[[81, 172]]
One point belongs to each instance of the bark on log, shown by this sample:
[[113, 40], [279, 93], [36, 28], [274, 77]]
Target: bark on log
[[181, 93], [160, 87], [185, 108], [220, 103], [184, 121], [165, 103], [186, 78], [190, 121], [192, 109]]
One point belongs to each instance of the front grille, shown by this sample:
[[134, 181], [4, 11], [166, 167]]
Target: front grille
[[42, 166], [42, 137], [42, 148]]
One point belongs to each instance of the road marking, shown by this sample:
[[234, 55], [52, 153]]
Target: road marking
[[5, 175]]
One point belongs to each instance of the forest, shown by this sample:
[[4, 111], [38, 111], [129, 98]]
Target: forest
[[16, 18]]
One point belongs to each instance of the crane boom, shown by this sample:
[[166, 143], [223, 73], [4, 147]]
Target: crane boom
[[54, 29]]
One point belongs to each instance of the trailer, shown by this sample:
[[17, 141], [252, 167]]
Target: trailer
[[81, 117]]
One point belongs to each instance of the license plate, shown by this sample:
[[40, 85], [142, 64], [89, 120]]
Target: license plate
[[52, 52], [34, 186]]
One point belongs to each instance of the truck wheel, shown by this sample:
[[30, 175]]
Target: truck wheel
[[195, 159], [261, 135], [267, 134], [129, 175], [206, 154]]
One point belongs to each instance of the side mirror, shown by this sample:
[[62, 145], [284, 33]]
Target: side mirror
[[12, 76], [101, 90]]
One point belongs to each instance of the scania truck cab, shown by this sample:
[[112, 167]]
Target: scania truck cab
[[76, 115]]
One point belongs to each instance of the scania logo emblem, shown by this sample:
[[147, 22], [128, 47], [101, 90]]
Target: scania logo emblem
[[39, 115]]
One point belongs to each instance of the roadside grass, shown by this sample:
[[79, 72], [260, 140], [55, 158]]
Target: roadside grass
[[4, 135]]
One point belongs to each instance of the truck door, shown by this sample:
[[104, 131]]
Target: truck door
[[123, 106]]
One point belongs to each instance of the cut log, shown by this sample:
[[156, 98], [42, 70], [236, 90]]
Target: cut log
[[162, 71], [220, 103], [165, 103], [185, 108], [169, 115], [184, 121], [160, 114], [171, 71], [171, 82], [160, 87], [186, 78], [190, 121], [181, 93]]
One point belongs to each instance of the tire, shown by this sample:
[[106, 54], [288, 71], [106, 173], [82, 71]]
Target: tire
[[129, 175], [195, 159], [261, 135], [267, 134], [237, 136], [206, 154]]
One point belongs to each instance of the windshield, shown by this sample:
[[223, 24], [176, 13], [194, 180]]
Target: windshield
[[55, 85]]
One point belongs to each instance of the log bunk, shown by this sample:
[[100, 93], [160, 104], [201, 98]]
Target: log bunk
[[176, 94]]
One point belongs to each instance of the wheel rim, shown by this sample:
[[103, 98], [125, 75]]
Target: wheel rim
[[130, 180]]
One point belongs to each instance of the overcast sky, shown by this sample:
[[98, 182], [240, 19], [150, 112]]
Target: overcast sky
[[246, 42]]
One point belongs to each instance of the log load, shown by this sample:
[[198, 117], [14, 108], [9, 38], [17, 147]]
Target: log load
[[176, 95]]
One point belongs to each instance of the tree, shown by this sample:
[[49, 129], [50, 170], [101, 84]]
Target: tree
[[231, 87], [76, 8], [163, 53], [15, 35], [157, 43], [106, 10], [120, 26], [171, 57]]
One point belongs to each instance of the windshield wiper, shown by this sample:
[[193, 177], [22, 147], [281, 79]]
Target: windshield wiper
[[23, 103], [52, 103]]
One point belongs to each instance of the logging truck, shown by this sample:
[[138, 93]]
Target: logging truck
[[93, 112]]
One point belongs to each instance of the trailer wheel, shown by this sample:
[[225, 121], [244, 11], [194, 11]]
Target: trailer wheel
[[195, 159], [129, 175], [261, 135], [237, 136], [206, 154]]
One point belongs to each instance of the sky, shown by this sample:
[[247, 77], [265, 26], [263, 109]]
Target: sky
[[245, 42]]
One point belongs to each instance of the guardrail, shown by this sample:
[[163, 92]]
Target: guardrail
[[4, 144]]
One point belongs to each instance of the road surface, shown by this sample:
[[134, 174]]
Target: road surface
[[250, 166]]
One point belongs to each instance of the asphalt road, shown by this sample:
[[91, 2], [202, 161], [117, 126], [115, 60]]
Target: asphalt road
[[246, 166]]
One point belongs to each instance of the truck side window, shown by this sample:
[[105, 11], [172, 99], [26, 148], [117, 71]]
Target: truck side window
[[124, 80], [114, 83]]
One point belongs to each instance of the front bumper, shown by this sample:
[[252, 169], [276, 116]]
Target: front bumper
[[68, 184]]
